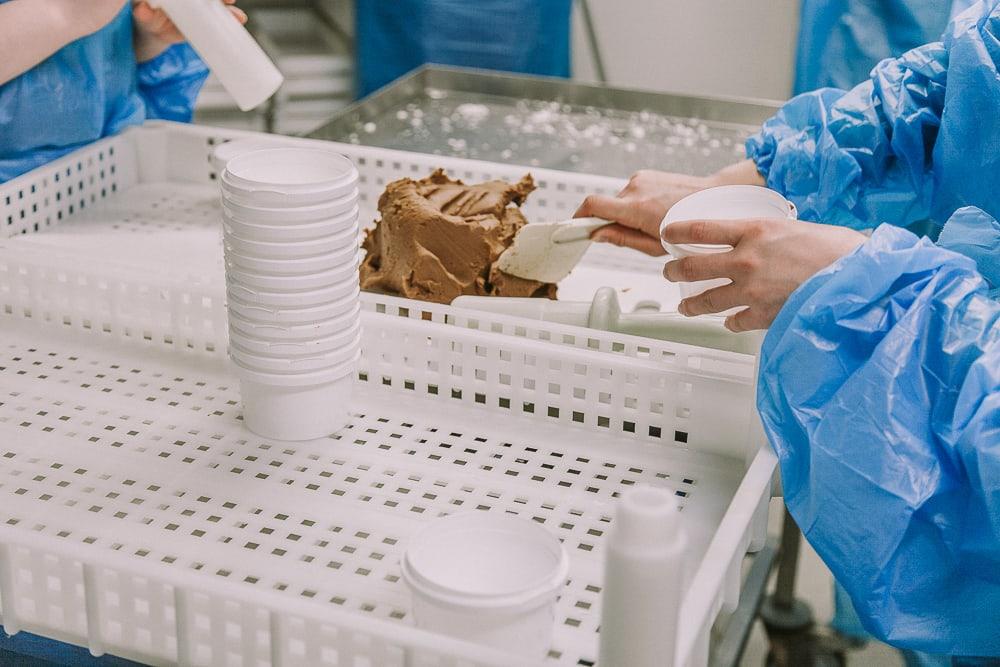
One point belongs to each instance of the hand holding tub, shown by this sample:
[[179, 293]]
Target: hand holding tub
[[769, 260]]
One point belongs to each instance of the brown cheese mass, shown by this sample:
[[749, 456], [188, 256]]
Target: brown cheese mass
[[438, 239]]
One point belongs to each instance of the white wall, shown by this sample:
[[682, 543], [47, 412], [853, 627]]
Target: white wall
[[699, 47]]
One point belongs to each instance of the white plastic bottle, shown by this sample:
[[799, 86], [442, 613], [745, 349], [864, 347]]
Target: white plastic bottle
[[644, 581], [227, 48]]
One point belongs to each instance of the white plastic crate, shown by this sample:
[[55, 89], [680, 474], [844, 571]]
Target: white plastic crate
[[140, 518]]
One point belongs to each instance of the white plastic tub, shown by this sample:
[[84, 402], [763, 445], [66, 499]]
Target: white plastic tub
[[729, 202], [283, 176], [297, 407], [493, 579]]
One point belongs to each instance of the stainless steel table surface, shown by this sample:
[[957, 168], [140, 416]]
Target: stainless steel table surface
[[552, 123]]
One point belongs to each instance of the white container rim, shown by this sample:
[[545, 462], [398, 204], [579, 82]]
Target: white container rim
[[259, 330], [290, 171], [309, 379], [290, 297], [227, 150], [422, 555], [265, 347], [239, 274], [291, 212], [352, 296], [285, 249], [758, 201], [287, 265], [339, 222], [283, 364]]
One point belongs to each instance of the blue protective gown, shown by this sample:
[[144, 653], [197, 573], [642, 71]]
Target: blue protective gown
[[528, 36], [841, 40], [880, 378], [917, 141], [89, 89]]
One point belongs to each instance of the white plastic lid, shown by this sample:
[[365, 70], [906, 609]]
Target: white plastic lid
[[483, 560], [308, 174], [728, 202]]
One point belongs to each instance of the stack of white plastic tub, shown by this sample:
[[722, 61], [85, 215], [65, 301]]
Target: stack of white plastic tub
[[292, 253]]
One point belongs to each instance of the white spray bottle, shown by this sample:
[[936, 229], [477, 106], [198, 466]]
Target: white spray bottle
[[231, 52], [644, 577]]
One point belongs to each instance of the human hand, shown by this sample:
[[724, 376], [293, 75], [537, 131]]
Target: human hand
[[769, 260], [638, 209], [154, 31]]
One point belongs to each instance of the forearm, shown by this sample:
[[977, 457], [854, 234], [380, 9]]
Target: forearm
[[31, 31]]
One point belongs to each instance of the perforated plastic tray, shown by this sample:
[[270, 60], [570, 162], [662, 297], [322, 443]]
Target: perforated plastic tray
[[138, 517]]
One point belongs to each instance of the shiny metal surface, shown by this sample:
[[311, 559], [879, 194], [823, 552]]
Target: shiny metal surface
[[548, 122]]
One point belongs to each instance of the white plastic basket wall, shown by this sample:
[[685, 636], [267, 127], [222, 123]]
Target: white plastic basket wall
[[112, 298], [141, 519]]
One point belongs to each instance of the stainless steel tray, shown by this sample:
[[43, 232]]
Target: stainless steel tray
[[548, 122]]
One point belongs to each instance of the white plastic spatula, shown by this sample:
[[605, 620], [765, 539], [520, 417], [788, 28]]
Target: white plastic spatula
[[548, 251]]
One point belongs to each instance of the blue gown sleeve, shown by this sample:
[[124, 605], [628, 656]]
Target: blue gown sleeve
[[871, 155], [169, 83], [880, 392]]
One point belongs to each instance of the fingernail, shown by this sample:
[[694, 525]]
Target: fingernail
[[682, 308]]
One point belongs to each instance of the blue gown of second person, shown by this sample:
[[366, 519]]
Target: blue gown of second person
[[89, 89], [880, 378], [841, 40]]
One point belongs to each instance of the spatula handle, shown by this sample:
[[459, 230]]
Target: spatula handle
[[578, 229]]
